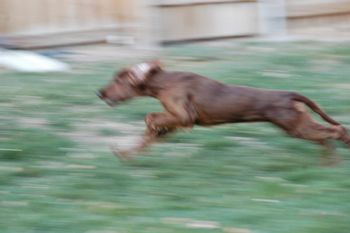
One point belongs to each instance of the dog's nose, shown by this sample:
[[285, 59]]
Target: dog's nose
[[100, 94]]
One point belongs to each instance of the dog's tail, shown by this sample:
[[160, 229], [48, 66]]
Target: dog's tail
[[344, 135], [311, 104]]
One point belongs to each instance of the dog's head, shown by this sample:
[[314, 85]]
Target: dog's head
[[128, 83]]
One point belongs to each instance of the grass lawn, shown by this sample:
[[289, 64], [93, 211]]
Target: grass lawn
[[57, 173]]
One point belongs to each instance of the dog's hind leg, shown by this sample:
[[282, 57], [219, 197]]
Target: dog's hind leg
[[345, 137], [329, 157], [298, 123]]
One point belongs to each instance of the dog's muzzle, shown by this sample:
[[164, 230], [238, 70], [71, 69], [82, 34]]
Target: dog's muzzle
[[108, 101]]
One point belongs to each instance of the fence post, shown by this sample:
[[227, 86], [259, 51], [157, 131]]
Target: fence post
[[272, 17]]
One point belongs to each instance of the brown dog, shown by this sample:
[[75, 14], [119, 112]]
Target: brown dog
[[190, 99]]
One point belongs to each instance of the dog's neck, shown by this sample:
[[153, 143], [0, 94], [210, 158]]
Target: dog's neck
[[153, 84]]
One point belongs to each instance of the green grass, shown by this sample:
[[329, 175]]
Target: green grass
[[57, 173]]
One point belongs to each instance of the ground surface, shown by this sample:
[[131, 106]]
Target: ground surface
[[57, 173]]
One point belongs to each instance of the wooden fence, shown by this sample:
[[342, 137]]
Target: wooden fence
[[310, 16], [164, 20], [23, 17]]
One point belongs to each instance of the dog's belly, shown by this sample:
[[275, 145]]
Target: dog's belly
[[217, 118]]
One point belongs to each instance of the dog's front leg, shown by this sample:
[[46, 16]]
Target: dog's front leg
[[161, 123], [158, 125], [148, 138]]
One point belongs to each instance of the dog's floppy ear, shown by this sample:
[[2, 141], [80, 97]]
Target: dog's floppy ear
[[140, 72]]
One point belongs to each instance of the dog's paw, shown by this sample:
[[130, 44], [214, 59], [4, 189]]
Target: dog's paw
[[330, 161], [121, 154]]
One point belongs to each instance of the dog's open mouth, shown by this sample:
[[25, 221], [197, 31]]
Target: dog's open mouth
[[110, 102]]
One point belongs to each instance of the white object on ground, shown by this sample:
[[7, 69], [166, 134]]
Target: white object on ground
[[24, 61]]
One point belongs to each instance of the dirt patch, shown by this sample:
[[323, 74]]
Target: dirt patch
[[83, 109], [325, 65], [30, 122], [98, 53], [342, 86], [29, 100], [192, 223], [236, 230], [88, 133], [246, 141]]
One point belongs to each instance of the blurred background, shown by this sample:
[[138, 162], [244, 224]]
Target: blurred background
[[44, 23], [57, 173]]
